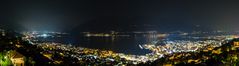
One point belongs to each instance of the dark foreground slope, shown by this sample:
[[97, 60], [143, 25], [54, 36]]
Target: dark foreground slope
[[12, 41]]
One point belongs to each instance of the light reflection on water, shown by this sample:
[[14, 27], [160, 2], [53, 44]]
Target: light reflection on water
[[128, 45]]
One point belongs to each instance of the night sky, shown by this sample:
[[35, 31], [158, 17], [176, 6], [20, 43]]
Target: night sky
[[120, 15]]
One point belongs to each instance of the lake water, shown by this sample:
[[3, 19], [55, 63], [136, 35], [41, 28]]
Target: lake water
[[127, 45]]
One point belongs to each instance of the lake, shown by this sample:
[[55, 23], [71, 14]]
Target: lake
[[127, 45]]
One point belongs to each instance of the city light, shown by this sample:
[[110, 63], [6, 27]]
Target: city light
[[119, 33], [44, 35]]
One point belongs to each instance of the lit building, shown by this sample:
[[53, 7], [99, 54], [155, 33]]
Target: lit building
[[16, 58], [236, 43]]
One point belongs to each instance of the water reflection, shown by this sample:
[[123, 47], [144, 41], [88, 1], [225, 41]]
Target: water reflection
[[126, 44]]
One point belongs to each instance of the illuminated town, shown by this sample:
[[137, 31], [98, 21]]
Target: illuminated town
[[119, 33], [60, 54]]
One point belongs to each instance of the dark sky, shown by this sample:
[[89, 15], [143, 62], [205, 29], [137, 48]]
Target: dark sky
[[121, 15]]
